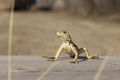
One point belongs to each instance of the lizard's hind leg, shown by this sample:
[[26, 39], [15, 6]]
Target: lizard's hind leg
[[84, 50], [72, 55]]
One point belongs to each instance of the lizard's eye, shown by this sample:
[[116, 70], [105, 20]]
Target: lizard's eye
[[64, 32]]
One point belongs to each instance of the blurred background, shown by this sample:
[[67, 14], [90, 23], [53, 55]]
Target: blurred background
[[94, 24]]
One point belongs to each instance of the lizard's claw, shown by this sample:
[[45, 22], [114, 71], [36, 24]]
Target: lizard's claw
[[73, 61], [93, 57], [52, 59]]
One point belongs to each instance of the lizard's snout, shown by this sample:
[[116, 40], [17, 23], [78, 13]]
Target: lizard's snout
[[57, 33]]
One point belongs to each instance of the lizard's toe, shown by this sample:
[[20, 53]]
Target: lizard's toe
[[73, 61]]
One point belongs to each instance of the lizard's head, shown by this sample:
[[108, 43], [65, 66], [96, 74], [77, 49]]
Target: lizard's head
[[63, 35]]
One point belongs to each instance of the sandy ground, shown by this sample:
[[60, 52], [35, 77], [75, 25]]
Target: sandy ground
[[37, 68], [34, 33]]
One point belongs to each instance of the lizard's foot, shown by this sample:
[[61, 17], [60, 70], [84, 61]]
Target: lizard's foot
[[49, 58], [93, 57], [52, 59], [73, 61]]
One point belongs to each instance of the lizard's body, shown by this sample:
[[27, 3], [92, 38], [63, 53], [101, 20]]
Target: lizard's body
[[69, 47]]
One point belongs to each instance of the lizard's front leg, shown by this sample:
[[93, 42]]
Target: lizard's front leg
[[75, 50], [55, 58]]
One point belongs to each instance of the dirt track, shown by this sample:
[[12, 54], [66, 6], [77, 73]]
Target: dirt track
[[34, 33], [37, 68]]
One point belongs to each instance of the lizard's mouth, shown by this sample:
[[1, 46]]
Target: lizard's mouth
[[60, 36]]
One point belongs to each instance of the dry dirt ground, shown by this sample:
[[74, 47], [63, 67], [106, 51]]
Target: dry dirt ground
[[38, 68], [34, 33]]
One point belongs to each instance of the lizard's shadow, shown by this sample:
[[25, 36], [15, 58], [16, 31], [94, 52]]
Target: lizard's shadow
[[83, 58], [80, 58]]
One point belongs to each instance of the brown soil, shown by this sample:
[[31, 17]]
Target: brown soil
[[34, 33]]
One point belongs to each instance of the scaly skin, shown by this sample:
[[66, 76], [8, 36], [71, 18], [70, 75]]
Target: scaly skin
[[70, 48]]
